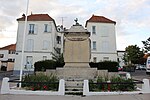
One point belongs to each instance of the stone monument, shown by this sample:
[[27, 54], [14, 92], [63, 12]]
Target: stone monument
[[77, 54], [76, 47]]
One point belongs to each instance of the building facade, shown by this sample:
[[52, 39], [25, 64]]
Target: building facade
[[40, 40], [43, 36], [103, 38], [7, 57]]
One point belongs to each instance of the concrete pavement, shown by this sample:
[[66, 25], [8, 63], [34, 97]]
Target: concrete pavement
[[112, 97]]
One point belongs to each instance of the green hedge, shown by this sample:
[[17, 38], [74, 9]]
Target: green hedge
[[47, 64], [111, 66]]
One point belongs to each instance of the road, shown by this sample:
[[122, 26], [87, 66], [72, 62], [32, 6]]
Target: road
[[66, 97], [139, 75]]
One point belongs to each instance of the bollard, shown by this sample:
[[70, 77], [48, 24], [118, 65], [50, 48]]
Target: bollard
[[61, 89], [86, 87], [145, 86], [5, 86]]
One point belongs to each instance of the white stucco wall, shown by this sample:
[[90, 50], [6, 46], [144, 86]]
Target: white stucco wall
[[5, 53], [105, 33], [38, 51]]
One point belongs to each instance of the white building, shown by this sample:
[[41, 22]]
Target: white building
[[40, 40], [103, 38], [7, 57], [42, 37]]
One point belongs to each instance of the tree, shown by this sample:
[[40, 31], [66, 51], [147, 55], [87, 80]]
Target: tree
[[133, 55], [57, 56], [146, 45]]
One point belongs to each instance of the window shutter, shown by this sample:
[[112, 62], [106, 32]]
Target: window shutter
[[36, 29], [49, 28]]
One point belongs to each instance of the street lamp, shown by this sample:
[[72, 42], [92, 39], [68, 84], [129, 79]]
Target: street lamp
[[22, 52]]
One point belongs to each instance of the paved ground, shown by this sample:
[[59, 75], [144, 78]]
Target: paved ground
[[114, 97], [140, 75]]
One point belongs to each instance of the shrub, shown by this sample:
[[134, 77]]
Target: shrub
[[40, 82], [47, 64], [111, 66]]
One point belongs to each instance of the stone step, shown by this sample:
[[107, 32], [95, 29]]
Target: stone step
[[75, 79], [74, 93], [72, 88], [74, 83]]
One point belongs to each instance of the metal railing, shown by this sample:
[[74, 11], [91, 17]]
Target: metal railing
[[37, 85]]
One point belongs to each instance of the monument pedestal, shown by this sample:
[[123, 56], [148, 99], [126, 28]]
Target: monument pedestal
[[77, 65], [75, 73]]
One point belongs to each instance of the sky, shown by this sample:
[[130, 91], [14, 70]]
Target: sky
[[132, 17]]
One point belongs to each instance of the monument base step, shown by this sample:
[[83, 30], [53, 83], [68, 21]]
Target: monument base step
[[73, 93]]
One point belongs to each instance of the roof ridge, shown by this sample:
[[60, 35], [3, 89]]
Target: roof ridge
[[100, 19], [9, 47], [36, 17]]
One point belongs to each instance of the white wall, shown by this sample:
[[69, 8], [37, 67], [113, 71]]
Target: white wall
[[38, 51], [105, 38], [5, 57]]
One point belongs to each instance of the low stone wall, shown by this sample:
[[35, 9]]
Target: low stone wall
[[51, 72], [102, 73], [111, 74], [47, 72], [105, 73]]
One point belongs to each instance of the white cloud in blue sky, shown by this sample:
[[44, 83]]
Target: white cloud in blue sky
[[132, 16]]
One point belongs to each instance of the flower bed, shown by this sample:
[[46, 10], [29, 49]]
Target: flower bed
[[112, 84], [40, 82]]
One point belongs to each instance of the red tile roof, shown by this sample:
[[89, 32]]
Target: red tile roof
[[9, 47], [37, 17], [99, 19]]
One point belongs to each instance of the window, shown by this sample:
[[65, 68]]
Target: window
[[30, 45], [31, 28], [45, 44], [93, 29], [44, 57], [11, 60], [1, 55], [47, 28], [94, 59], [11, 52], [58, 38], [29, 60], [105, 58], [94, 45]]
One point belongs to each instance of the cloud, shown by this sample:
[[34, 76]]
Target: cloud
[[132, 16]]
